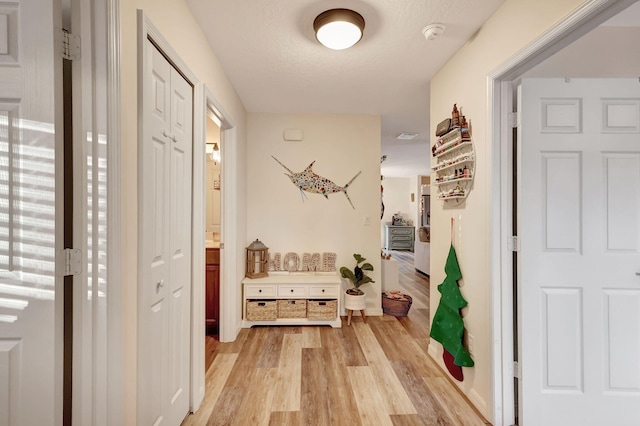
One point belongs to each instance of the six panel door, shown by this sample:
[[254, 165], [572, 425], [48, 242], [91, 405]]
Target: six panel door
[[580, 251]]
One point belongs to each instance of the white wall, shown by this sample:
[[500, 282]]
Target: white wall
[[396, 197], [212, 224], [593, 54], [414, 204], [463, 80], [340, 145], [178, 26]]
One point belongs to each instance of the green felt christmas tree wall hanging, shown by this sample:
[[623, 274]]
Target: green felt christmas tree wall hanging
[[448, 325]]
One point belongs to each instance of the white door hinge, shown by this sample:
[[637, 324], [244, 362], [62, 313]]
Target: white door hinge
[[513, 243], [70, 45], [516, 369], [513, 119], [69, 262]]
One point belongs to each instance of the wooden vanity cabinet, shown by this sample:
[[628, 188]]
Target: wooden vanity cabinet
[[212, 296]]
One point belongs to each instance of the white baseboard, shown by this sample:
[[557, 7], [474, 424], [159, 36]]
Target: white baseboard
[[480, 403], [435, 352]]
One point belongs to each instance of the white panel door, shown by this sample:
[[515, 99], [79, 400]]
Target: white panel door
[[580, 253], [165, 239], [30, 140], [180, 248]]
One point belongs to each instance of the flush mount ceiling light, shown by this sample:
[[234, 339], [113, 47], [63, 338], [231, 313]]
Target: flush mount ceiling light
[[433, 31], [338, 29]]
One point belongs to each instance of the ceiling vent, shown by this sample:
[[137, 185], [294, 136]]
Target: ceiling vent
[[405, 136]]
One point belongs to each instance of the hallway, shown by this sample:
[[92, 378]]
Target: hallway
[[373, 373]]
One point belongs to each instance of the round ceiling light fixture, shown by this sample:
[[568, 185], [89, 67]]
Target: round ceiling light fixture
[[338, 29]]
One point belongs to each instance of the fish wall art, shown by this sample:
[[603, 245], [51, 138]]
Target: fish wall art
[[308, 181]]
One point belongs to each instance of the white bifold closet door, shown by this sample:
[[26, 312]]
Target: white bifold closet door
[[165, 185]]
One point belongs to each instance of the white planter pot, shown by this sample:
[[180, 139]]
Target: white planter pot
[[355, 303]]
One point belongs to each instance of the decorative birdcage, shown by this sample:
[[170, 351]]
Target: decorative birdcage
[[257, 260]]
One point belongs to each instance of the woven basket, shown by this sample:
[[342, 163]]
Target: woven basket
[[261, 310], [322, 309], [395, 307], [296, 308]]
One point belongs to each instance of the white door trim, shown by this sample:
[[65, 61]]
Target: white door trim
[[113, 405], [229, 312], [499, 199], [148, 31], [97, 395], [198, 250], [205, 103]]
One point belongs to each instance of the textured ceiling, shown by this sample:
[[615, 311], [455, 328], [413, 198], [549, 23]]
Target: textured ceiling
[[269, 52]]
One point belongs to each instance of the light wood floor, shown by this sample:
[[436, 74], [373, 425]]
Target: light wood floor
[[374, 373]]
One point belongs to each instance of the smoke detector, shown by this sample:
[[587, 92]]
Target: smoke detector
[[433, 31]]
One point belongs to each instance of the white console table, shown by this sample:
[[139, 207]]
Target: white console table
[[292, 286]]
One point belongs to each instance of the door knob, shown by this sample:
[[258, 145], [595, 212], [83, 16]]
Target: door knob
[[169, 136], [638, 273], [159, 285]]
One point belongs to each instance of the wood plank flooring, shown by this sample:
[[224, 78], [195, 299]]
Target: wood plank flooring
[[374, 373]]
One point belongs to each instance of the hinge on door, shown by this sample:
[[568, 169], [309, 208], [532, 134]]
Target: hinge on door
[[70, 262], [70, 45], [516, 369], [513, 119], [513, 243]]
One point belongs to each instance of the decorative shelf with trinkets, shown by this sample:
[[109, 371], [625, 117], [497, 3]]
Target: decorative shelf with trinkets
[[454, 169]]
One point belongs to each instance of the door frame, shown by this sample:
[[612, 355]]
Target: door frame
[[111, 407], [500, 89], [97, 324], [148, 31], [205, 103]]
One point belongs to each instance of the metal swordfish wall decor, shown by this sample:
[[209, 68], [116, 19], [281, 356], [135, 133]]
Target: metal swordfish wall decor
[[308, 181]]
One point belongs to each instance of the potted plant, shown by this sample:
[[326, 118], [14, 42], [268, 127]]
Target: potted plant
[[354, 297]]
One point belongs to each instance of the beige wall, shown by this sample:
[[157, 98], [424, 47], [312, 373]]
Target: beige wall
[[340, 145], [178, 26], [396, 199], [463, 80]]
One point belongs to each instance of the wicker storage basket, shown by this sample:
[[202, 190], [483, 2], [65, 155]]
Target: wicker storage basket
[[261, 310], [395, 307], [295, 308], [322, 309]]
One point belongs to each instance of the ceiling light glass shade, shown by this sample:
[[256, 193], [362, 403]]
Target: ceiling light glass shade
[[213, 152], [339, 29]]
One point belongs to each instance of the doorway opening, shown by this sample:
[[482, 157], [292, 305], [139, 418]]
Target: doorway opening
[[576, 30], [213, 208]]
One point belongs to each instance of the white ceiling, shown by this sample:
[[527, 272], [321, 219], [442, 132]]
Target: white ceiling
[[269, 52]]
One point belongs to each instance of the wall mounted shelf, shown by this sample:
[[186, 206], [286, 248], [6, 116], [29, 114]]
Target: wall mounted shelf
[[454, 169]]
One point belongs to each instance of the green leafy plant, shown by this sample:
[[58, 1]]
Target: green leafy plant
[[357, 276]]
